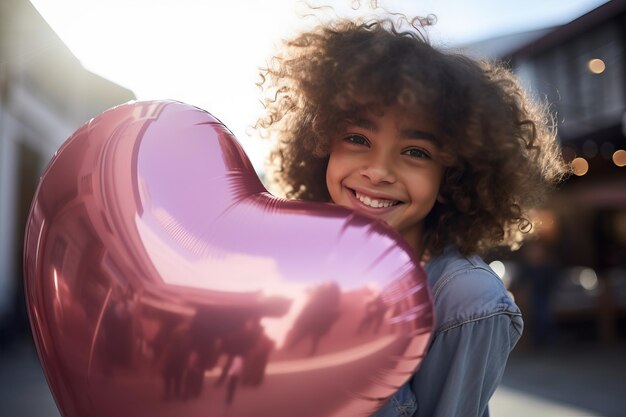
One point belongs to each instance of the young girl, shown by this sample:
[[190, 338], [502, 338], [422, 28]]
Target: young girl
[[448, 151]]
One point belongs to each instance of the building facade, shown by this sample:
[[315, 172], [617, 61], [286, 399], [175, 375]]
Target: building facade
[[45, 95], [580, 68]]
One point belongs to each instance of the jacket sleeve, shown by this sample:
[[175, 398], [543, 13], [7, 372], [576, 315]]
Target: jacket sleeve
[[464, 365]]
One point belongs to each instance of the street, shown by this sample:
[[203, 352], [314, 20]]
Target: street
[[582, 380]]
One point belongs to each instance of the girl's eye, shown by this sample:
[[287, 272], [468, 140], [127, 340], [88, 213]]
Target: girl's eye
[[417, 153], [356, 140]]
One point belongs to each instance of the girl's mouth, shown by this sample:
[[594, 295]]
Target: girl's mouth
[[374, 202]]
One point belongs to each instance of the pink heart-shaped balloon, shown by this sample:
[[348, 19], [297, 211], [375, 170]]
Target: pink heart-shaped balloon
[[163, 280]]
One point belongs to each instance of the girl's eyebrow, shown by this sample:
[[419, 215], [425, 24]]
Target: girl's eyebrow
[[405, 134], [419, 135], [364, 124]]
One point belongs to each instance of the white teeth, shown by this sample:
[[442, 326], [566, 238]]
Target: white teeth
[[373, 202]]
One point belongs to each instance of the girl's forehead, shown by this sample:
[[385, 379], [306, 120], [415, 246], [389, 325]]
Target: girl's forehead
[[402, 117]]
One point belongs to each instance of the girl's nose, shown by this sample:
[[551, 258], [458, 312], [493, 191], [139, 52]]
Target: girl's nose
[[379, 170]]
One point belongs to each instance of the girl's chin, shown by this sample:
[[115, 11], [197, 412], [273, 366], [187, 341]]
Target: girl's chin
[[378, 216]]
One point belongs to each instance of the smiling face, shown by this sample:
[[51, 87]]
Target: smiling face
[[388, 167]]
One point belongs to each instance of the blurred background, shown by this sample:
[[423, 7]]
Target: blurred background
[[63, 62]]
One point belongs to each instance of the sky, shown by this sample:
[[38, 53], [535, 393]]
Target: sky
[[207, 52]]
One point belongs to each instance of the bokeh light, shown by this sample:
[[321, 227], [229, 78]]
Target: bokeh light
[[596, 66], [607, 149], [499, 268], [590, 149], [619, 158], [568, 153], [580, 166], [588, 279]]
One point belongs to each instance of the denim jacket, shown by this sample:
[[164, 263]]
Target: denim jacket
[[477, 324]]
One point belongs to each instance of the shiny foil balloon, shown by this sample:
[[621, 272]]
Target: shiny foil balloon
[[163, 280]]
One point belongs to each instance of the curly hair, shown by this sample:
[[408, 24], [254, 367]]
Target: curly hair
[[499, 145]]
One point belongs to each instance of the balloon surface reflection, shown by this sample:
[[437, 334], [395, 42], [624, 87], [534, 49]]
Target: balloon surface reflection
[[163, 280]]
